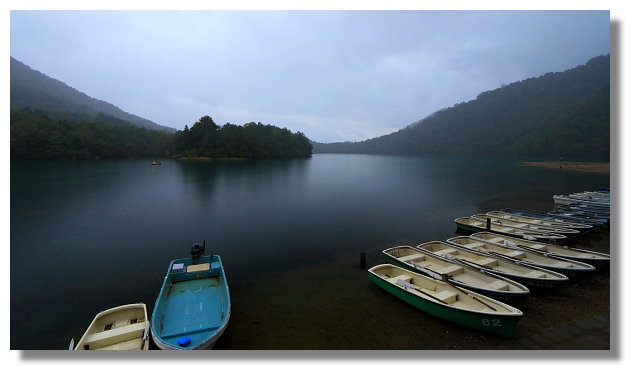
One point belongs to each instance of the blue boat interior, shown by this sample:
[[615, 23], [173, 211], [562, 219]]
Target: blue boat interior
[[193, 302]]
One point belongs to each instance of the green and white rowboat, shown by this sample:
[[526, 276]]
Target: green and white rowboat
[[446, 301]]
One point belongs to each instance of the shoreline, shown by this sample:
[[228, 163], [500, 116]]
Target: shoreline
[[583, 166]]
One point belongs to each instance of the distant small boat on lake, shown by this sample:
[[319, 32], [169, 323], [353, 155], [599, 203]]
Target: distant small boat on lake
[[446, 301], [119, 328], [154, 162], [193, 306]]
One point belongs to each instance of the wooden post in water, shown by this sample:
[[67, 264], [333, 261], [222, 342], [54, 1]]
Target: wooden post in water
[[488, 224], [362, 260]]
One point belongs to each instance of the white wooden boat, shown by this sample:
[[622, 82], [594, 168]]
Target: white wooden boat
[[446, 301], [423, 260], [570, 268], [120, 328], [542, 222], [527, 226], [594, 258], [535, 278], [471, 224]]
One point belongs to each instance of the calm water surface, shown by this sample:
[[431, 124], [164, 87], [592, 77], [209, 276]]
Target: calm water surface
[[90, 235]]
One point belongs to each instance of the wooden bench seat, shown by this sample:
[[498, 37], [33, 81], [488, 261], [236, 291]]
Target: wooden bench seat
[[451, 270], [446, 296], [412, 257], [497, 285], [116, 335]]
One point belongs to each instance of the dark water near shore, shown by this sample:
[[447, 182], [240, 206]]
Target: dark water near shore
[[89, 235]]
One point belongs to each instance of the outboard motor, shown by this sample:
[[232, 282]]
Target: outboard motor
[[197, 251]]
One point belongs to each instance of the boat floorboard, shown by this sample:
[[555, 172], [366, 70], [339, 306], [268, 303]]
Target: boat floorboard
[[192, 305]]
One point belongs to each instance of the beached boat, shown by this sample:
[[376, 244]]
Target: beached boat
[[447, 301], [522, 226], [573, 198], [119, 328], [428, 263], [542, 222], [536, 278], [598, 260], [471, 224], [548, 216], [570, 268], [193, 306]]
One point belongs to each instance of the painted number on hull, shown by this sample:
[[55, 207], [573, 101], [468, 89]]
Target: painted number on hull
[[491, 322]]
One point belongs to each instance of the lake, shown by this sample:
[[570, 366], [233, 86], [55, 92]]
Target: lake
[[90, 235]]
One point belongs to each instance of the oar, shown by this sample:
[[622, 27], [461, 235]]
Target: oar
[[476, 298], [144, 338], [408, 285], [426, 271]]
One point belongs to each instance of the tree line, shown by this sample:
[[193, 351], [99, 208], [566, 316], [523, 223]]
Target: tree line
[[565, 113], [36, 136], [252, 140]]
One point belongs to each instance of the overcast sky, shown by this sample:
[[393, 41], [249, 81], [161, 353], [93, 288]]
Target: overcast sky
[[333, 75]]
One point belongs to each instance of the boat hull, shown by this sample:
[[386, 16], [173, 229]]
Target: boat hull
[[193, 307], [495, 324]]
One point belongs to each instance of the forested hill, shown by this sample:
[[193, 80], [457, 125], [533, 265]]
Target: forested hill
[[566, 113], [33, 90]]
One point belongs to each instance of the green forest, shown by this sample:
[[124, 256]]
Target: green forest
[[565, 113], [252, 140], [36, 136]]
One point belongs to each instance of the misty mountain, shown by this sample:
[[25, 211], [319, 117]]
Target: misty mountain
[[565, 113], [36, 91]]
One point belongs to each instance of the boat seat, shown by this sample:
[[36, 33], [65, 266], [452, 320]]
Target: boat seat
[[486, 262], [448, 252], [405, 278], [497, 285], [446, 296], [451, 270], [516, 254], [536, 273], [198, 267], [412, 257], [472, 245], [106, 338]]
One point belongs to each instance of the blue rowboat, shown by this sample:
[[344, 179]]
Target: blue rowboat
[[193, 307]]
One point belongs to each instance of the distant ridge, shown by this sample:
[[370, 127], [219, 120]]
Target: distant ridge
[[34, 90], [565, 113]]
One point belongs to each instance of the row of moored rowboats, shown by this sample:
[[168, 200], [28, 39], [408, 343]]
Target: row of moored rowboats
[[481, 281]]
